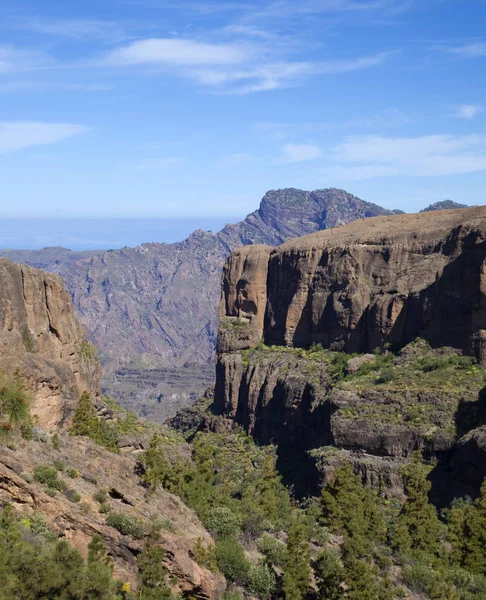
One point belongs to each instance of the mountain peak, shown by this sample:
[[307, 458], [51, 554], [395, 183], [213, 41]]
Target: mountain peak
[[444, 205]]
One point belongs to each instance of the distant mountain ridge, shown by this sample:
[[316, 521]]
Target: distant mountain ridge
[[155, 306]]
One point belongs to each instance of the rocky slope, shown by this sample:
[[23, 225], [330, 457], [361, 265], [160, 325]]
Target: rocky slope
[[154, 307], [43, 349], [362, 287]]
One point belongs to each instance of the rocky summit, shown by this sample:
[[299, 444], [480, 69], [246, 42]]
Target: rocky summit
[[152, 310]]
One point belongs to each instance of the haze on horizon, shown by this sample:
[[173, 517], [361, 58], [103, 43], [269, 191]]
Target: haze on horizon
[[194, 109]]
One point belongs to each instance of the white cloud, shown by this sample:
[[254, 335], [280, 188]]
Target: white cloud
[[238, 68], [469, 50], [293, 153], [467, 111], [27, 134], [13, 60], [275, 75], [178, 52], [434, 155]]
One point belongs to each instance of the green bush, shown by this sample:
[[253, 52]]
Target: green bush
[[72, 473], [272, 549], [126, 525], [14, 407], [232, 561], [35, 523], [261, 581], [222, 522], [48, 476], [50, 569], [105, 508], [60, 466], [101, 495]]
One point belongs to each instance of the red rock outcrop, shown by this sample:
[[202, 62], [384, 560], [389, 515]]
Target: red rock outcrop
[[42, 341]]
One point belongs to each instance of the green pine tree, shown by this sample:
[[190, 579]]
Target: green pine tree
[[418, 516], [297, 569]]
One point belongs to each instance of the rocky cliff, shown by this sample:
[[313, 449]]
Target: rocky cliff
[[298, 323], [152, 310], [43, 352], [42, 342]]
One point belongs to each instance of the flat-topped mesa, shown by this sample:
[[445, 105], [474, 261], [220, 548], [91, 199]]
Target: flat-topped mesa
[[42, 342], [360, 286]]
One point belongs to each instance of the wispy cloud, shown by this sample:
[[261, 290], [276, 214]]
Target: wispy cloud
[[20, 135], [234, 68], [178, 52], [473, 50], [14, 60], [295, 153], [434, 155], [467, 111], [283, 9], [78, 29]]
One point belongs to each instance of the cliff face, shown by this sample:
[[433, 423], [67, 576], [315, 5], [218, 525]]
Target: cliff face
[[354, 289], [42, 341], [153, 309]]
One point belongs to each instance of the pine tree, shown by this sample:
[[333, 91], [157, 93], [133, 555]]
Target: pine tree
[[474, 536], [329, 575], [297, 562], [151, 572], [418, 516], [349, 508]]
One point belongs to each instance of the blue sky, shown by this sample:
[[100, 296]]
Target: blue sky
[[160, 108]]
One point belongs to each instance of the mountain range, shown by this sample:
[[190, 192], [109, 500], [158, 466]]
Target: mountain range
[[152, 310]]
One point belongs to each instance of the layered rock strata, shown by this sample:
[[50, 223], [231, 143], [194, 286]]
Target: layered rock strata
[[363, 287]]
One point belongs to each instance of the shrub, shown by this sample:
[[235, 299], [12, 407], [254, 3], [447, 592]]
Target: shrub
[[14, 407], [36, 524], [126, 525], [205, 555], [272, 549], [101, 495], [222, 522], [72, 495], [60, 466], [72, 473], [261, 581], [231, 560], [28, 340], [48, 476], [105, 508], [55, 441]]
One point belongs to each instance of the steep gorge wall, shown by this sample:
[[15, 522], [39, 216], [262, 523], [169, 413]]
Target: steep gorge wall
[[363, 286], [42, 342], [360, 286]]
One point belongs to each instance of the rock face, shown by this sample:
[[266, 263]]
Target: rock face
[[42, 341], [153, 309], [355, 289]]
